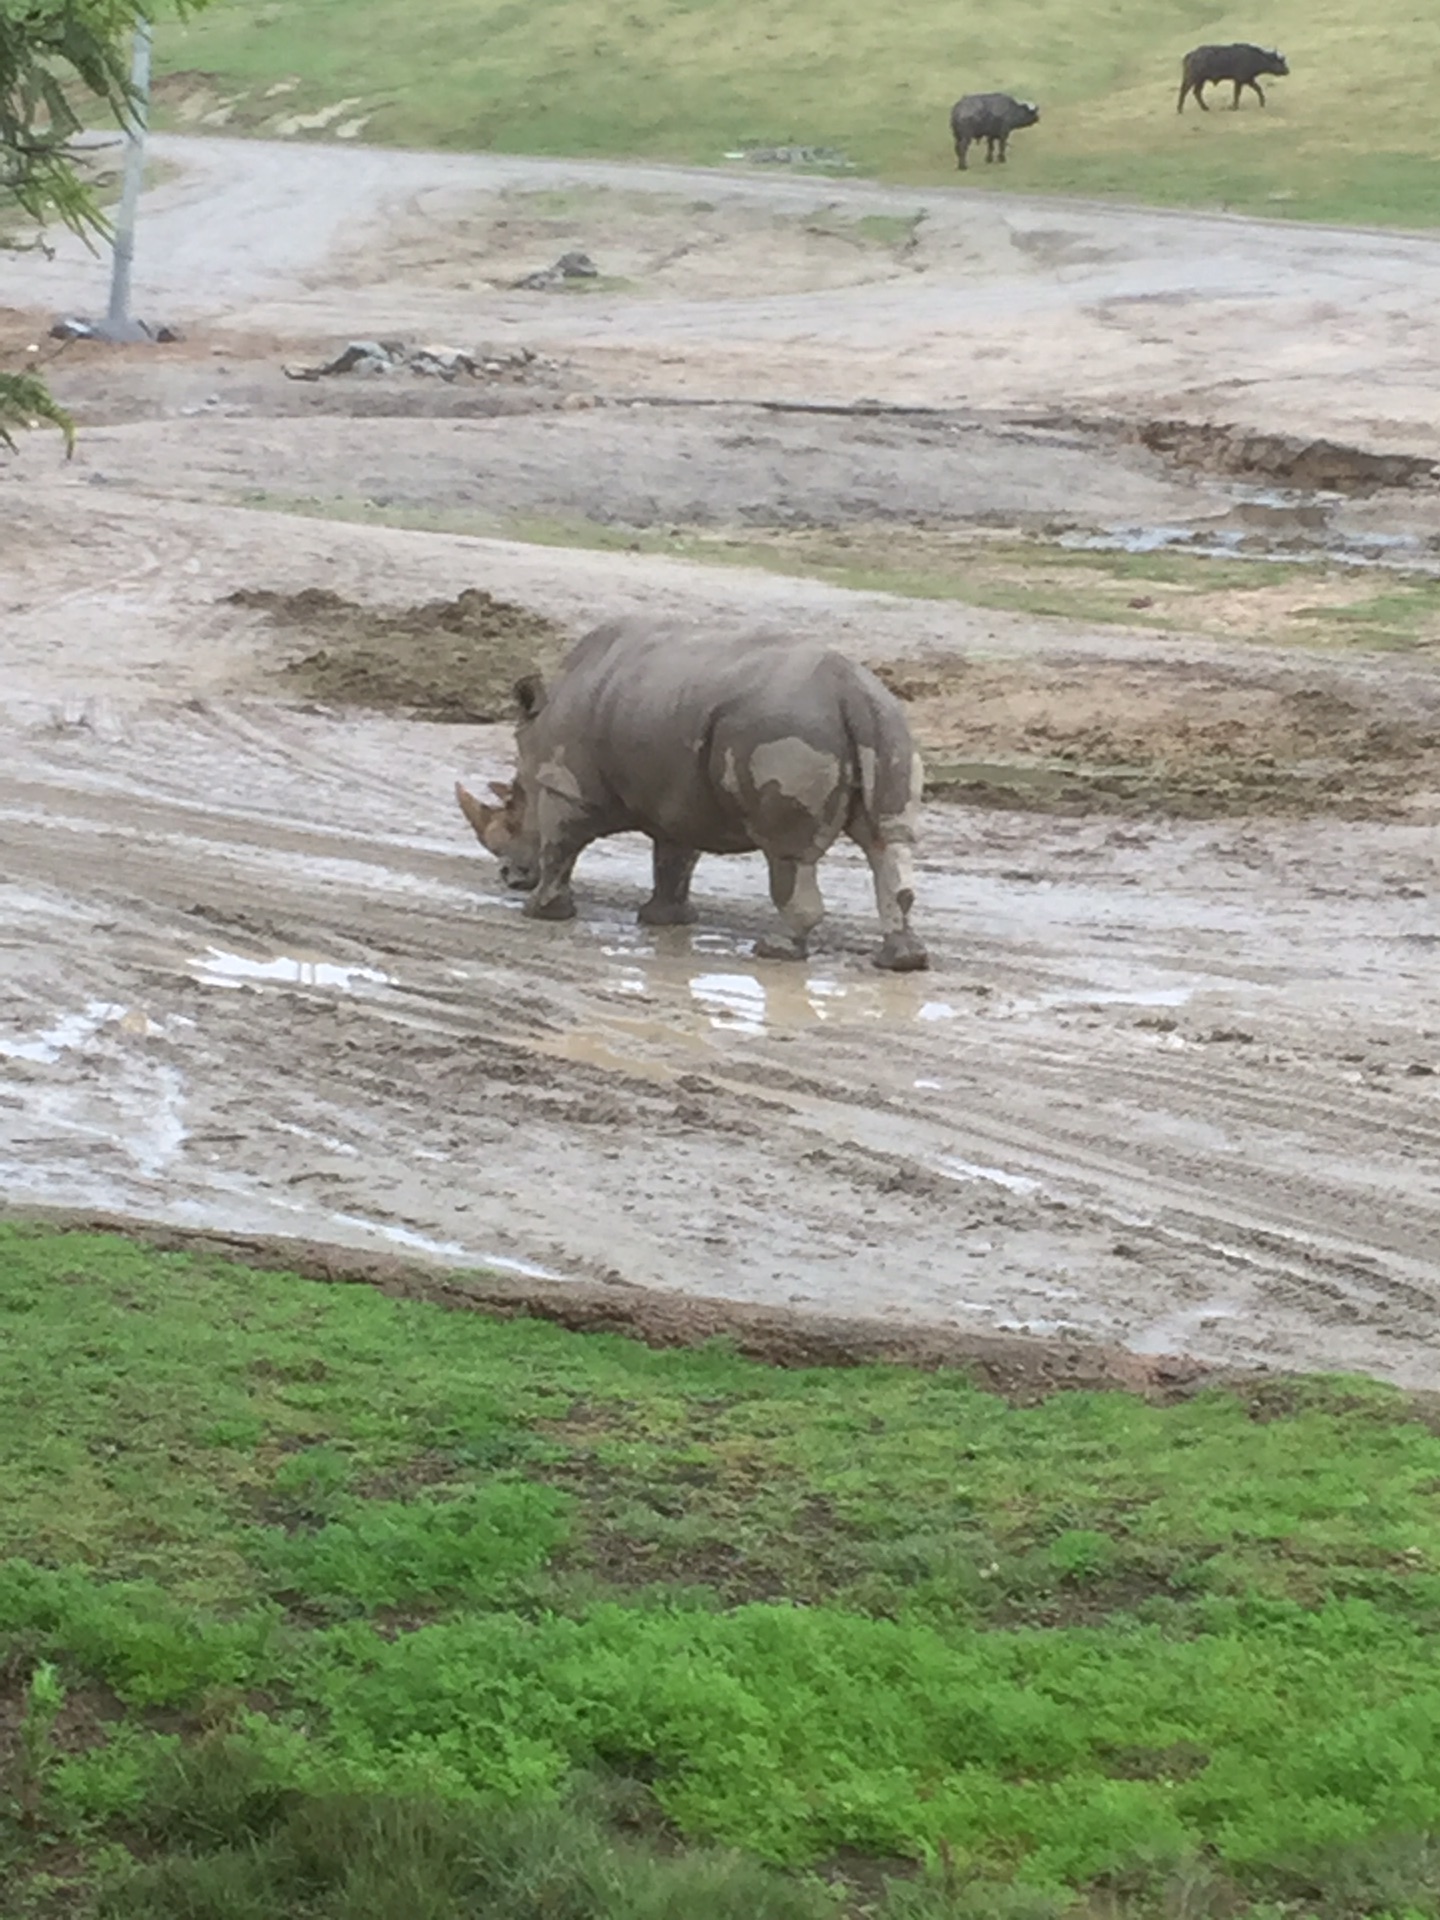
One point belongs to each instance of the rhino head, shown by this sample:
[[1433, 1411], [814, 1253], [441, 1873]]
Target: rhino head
[[500, 829], [506, 829]]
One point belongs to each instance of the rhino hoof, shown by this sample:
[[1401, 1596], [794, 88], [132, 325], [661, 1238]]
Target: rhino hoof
[[776, 947], [667, 913], [558, 906], [902, 953]]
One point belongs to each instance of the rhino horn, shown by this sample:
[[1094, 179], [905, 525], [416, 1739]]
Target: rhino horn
[[478, 815]]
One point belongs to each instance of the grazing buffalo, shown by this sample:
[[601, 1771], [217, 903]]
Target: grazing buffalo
[[710, 744], [1240, 64], [991, 117]]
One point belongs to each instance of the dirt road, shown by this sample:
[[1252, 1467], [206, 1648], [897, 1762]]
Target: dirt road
[[985, 301], [1172, 1082]]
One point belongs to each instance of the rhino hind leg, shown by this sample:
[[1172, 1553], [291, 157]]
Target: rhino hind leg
[[796, 893], [892, 868], [669, 903], [889, 847]]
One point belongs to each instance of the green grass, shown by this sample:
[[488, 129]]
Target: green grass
[[1326, 604], [411, 1569], [1351, 135]]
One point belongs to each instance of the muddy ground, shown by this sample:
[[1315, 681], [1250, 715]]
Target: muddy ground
[[1174, 1082]]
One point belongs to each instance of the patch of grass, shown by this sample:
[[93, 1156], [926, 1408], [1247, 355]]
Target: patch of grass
[[1400, 617], [1324, 604], [1349, 136], [238, 1851], [1318, 605], [360, 1589], [895, 232]]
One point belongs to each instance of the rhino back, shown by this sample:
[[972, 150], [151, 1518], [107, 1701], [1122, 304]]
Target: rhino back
[[695, 735]]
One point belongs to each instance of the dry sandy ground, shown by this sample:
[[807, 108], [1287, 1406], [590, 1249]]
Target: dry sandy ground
[[1171, 1083]]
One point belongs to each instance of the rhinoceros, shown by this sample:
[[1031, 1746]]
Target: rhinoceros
[[710, 745]]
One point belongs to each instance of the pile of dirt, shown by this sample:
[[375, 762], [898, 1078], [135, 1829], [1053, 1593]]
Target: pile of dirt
[[1322, 466], [1177, 739], [452, 660], [381, 357]]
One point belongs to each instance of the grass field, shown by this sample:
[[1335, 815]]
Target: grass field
[[1321, 605], [1351, 135], [318, 1603]]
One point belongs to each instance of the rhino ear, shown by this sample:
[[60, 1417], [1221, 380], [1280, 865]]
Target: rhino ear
[[530, 695]]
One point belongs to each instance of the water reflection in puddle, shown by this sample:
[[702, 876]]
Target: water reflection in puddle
[[1174, 1332], [69, 1031], [446, 1249], [216, 968], [733, 1000], [955, 1169]]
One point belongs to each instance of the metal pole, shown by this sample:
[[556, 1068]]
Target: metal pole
[[124, 245]]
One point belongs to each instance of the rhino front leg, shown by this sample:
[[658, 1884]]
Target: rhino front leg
[[796, 893], [565, 832], [669, 904]]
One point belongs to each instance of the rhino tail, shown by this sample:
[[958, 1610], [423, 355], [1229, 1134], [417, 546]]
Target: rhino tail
[[889, 776]]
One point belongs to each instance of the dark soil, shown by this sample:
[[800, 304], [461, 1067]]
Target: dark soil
[[449, 660], [1313, 465], [1152, 737]]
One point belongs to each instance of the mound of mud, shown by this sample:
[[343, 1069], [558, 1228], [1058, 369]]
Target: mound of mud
[[1322, 466], [452, 660], [1170, 739]]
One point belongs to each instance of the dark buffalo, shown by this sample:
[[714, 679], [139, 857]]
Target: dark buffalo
[[991, 117], [1239, 64]]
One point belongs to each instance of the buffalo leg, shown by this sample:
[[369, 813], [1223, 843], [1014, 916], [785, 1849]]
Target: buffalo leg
[[669, 903], [1258, 94], [1180, 103], [961, 149], [796, 893], [1000, 148], [565, 832], [1200, 96]]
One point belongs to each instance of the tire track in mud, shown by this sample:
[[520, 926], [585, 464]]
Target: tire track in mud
[[996, 1147]]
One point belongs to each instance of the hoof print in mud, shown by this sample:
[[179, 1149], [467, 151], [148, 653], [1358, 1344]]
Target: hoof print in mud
[[776, 947]]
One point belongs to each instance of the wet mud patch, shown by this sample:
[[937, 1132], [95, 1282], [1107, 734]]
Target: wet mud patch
[[1288, 460], [1183, 740], [447, 660]]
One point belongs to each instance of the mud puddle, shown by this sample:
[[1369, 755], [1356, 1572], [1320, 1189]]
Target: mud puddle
[[217, 967], [448, 660]]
